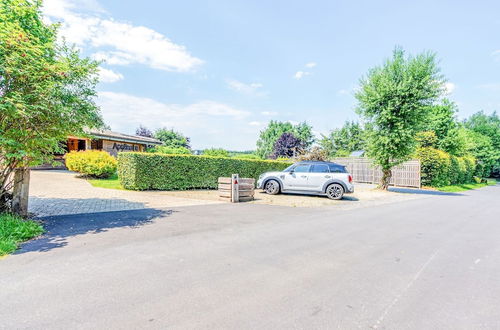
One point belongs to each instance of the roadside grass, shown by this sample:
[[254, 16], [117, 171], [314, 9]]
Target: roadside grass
[[466, 186], [15, 230], [109, 183]]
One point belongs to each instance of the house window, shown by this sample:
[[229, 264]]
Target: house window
[[96, 144]]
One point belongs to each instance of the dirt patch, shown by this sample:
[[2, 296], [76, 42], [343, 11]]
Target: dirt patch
[[364, 195]]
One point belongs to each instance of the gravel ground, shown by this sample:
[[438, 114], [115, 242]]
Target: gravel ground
[[364, 195]]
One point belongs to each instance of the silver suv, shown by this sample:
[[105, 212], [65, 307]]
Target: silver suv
[[311, 177]]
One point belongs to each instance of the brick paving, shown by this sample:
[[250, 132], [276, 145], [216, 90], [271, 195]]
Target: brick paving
[[58, 192]]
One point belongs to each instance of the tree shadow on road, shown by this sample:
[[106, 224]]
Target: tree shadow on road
[[422, 191], [60, 228]]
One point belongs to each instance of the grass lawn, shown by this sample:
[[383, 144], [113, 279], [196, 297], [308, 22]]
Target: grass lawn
[[110, 183], [14, 230], [466, 186]]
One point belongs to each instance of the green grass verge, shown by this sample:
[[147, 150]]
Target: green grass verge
[[110, 183], [14, 230], [466, 186]]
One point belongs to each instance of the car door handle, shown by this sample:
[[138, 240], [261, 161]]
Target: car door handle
[[327, 176], [303, 176]]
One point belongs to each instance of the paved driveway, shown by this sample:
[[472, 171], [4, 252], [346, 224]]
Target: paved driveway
[[61, 192], [422, 264]]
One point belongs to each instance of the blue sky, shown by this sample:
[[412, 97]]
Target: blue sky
[[218, 71]]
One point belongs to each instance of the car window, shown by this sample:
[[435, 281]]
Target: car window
[[320, 168], [301, 168], [334, 168]]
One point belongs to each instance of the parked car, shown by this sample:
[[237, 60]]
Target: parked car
[[309, 177]]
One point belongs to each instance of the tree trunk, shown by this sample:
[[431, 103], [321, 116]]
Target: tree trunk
[[21, 191], [386, 178]]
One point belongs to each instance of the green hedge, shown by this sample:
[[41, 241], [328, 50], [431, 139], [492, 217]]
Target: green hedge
[[439, 168], [145, 171]]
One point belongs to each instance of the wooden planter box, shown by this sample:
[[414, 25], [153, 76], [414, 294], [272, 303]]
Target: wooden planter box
[[237, 189]]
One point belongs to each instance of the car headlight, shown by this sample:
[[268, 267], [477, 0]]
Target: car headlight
[[262, 175]]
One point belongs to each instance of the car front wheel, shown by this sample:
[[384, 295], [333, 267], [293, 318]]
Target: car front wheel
[[272, 187], [335, 191]]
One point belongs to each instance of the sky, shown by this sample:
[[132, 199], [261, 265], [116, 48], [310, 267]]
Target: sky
[[219, 71]]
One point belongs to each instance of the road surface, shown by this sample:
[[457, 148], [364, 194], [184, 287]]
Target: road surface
[[431, 263]]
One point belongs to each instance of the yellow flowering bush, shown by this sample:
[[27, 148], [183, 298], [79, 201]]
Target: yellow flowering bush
[[92, 163]]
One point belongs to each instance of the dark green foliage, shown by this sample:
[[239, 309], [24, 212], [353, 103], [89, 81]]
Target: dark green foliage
[[47, 91], [341, 142], [487, 126], [273, 131], [393, 99], [146, 171], [171, 138]]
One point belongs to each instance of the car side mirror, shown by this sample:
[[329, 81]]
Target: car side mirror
[[291, 172]]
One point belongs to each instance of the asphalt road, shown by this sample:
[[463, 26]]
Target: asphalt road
[[431, 263]]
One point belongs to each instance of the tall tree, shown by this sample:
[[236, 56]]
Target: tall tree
[[487, 132], [393, 99], [47, 92], [342, 141], [144, 131], [171, 138], [441, 119], [275, 129]]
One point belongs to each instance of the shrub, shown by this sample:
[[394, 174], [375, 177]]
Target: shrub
[[170, 150], [438, 168], [14, 230], [435, 166], [216, 152], [143, 171], [92, 163]]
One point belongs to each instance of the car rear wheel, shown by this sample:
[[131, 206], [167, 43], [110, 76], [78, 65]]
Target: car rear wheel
[[335, 191], [272, 187]]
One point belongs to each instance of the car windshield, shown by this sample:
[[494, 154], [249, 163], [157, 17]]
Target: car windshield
[[289, 168]]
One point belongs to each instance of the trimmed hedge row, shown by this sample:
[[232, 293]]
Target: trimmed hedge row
[[439, 168], [148, 171]]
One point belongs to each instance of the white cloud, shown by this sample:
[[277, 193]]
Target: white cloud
[[249, 89], [343, 92], [208, 123], [300, 74], [311, 65], [449, 87], [118, 43], [109, 76], [269, 113]]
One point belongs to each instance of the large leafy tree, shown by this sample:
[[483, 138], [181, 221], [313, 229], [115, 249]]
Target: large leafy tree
[[275, 129], [393, 99], [441, 119], [47, 91], [487, 136], [342, 141], [171, 138]]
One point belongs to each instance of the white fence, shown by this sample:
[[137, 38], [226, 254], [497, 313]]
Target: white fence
[[362, 170]]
